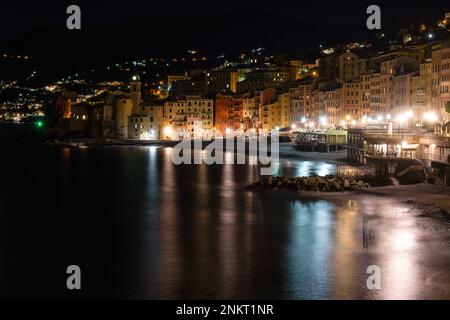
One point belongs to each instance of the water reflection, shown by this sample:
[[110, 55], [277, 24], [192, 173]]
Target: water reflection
[[304, 168], [310, 244], [155, 230]]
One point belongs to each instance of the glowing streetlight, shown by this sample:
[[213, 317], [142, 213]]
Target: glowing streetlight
[[364, 119], [430, 116], [168, 130], [409, 114], [402, 118]]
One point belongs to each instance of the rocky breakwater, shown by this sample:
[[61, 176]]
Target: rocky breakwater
[[330, 183]]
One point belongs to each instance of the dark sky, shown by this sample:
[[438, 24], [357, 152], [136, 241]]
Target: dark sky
[[18, 16]]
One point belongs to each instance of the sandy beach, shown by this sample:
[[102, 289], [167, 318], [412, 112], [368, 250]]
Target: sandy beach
[[429, 198]]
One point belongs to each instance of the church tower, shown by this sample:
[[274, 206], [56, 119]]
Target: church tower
[[135, 93]]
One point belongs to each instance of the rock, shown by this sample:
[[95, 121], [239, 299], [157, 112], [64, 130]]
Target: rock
[[337, 186], [411, 175], [346, 184], [328, 183]]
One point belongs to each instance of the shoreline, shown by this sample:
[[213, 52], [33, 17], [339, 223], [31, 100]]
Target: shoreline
[[426, 196], [429, 198]]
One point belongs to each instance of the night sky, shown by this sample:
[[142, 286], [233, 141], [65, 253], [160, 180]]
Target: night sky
[[18, 16]]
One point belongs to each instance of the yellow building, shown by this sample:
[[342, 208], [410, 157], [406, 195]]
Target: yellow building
[[351, 103], [441, 79], [365, 96], [147, 125], [271, 116], [375, 97], [177, 112], [333, 108], [284, 100]]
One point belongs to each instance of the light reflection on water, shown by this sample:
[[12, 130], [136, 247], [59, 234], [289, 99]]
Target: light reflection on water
[[155, 230], [250, 245]]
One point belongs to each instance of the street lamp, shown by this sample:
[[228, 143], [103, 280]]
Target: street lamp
[[168, 131], [430, 116]]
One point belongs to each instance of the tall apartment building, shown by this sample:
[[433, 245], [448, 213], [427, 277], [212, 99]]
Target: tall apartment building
[[423, 89], [348, 67], [345, 66], [375, 97], [319, 105], [333, 107], [229, 113], [441, 79], [271, 116], [365, 95], [328, 66], [147, 123], [301, 102], [188, 116], [284, 100], [322, 96], [261, 79], [388, 70], [403, 92], [269, 109], [250, 112], [221, 81], [351, 105]]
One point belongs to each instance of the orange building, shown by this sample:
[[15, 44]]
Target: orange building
[[228, 113]]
